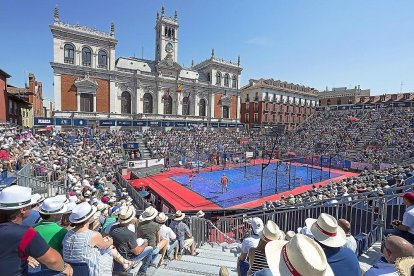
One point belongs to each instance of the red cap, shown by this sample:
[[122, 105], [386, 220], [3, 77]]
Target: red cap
[[72, 193], [409, 196]]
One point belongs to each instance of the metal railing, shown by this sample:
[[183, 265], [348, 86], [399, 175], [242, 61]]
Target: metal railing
[[46, 183], [140, 202]]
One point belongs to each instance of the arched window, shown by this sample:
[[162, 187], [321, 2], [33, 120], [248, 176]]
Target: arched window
[[226, 80], [202, 108], [69, 55], [147, 103], [168, 105], [234, 82], [218, 78], [226, 113], [86, 56], [186, 106], [102, 59], [86, 102], [126, 102]]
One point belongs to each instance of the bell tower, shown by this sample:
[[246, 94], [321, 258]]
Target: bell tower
[[166, 37]]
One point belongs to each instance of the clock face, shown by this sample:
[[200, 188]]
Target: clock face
[[169, 47]]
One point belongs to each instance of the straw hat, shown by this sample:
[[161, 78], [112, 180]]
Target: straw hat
[[52, 206], [325, 229], [200, 214], [126, 214], [15, 197], [149, 214], [179, 215], [289, 235], [404, 266], [161, 218], [82, 212], [271, 232], [300, 256]]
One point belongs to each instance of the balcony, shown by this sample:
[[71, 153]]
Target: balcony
[[69, 60], [102, 66], [87, 64]]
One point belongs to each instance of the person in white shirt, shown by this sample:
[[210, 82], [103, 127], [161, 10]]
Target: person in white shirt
[[168, 234], [250, 242], [394, 247], [404, 228], [350, 240]]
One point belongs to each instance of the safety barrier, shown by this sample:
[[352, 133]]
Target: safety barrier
[[140, 202], [45, 183]]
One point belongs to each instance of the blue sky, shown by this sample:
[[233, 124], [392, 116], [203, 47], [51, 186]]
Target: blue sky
[[317, 43]]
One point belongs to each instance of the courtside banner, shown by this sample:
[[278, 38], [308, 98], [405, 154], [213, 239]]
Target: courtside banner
[[214, 124], [154, 123], [167, 124], [80, 122], [124, 123], [356, 107], [249, 154], [222, 124], [154, 162], [140, 123], [240, 125], [137, 164], [42, 121], [231, 125], [106, 122], [180, 124], [63, 122]]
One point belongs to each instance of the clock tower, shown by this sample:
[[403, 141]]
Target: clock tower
[[166, 37]]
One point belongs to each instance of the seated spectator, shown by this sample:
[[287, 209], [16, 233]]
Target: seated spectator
[[331, 238], [200, 214], [51, 212], [126, 243], [82, 245], [289, 235], [168, 234], [350, 240], [184, 236], [249, 242], [150, 230], [34, 215], [393, 247], [257, 256], [300, 256], [15, 203], [404, 228]]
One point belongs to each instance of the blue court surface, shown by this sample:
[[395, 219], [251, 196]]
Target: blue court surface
[[244, 184]]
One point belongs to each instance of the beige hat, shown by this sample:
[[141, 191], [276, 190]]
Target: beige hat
[[200, 214], [179, 215], [325, 230], [300, 256], [149, 214], [404, 266], [161, 218], [271, 232], [289, 235], [126, 214]]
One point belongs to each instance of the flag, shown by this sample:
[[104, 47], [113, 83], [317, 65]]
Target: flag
[[180, 87]]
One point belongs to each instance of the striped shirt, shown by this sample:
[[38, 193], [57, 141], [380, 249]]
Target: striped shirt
[[259, 261]]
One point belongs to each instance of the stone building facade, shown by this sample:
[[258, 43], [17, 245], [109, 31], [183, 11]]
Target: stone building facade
[[91, 82], [276, 103], [343, 96]]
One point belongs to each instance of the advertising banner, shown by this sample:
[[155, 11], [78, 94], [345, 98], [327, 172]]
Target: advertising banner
[[154, 162], [140, 123], [222, 124], [63, 122], [180, 124], [124, 123], [214, 124], [154, 123], [249, 154], [137, 164], [130, 146], [231, 125], [361, 166], [42, 121], [106, 123], [80, 122], [167, 124]]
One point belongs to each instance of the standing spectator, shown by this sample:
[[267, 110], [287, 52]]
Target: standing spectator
[[331, 238], [394, 247], [18, 241], [168, 234], [150, 230], [249, 242], [125, 240], [350, 240], [404, 228], [257, 256], [184, 236]]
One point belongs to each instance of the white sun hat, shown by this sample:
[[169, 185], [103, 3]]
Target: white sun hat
[[271, 232], [149, 214], [82, 212], [126, 214], [257, 225], [52, 206], [325, 230], [15, 197], [300, 256]]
